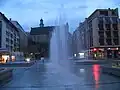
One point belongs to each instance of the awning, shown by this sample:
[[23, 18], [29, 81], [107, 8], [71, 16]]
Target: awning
[[4, 50]]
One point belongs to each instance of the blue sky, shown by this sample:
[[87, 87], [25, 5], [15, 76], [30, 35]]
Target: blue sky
[[29, 12]]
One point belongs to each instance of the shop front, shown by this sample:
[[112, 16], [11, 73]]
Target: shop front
[[4, 56], [97, 53], [113, 53], [105, 53]]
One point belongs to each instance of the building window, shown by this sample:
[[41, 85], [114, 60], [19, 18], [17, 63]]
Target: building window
[[115, 27], [14, 45], [115, 34], [108, 34], [100, 26], [7, 46], [107, 20], [101, 34], [109, 41], [7, 40], [116, 41], [100, 20], [7, 33], [11, 35], [17, 40], [14, 34], [90, 24], [11, 41], [114, 13], [115, 20], [105, 13], [108, 26], [101, 41], [11, 47]]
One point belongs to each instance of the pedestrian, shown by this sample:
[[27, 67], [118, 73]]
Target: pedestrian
[[42, 59], [7, 60]]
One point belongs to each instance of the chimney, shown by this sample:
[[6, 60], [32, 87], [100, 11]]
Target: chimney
[[10, 19]]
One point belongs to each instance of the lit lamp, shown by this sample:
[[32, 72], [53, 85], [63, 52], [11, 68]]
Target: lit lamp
[[28, 60], [116, 48], [109, 48], [75, 55], [13, 58], [94, 49]]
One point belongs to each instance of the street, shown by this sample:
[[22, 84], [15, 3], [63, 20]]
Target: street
[[51, 76]]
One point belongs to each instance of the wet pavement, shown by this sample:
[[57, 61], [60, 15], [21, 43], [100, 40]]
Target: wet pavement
[[51, 76]]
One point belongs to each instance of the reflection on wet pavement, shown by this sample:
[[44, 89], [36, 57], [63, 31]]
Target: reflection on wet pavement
[[50, 76]]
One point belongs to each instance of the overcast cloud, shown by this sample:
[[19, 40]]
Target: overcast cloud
[[29, 12]]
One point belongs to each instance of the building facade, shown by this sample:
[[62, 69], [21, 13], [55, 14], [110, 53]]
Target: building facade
[[39, 40], [70, 52], [23, 37], [9, 35], [75, 42], [100, 34]]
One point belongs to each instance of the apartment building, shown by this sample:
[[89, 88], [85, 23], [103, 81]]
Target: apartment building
[[23, 37], [9, 39], [100, 34], [9, 35]]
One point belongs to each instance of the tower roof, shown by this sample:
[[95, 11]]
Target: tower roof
[[41, 19]]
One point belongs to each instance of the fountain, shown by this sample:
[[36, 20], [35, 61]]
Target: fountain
[[58, 45]]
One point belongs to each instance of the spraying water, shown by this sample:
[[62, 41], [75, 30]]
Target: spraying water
[[58, 44]]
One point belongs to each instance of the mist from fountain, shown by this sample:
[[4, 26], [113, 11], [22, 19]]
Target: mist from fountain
[[58, 43]]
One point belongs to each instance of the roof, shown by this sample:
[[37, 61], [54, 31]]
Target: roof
[[41, 30], [19, 26], [8, 21], [100, 10]]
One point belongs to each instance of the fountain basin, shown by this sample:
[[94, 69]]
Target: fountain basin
[[5, 75], [17, 64], [111, 70]]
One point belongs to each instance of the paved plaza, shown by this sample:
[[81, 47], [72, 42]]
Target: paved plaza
[[53, 76]]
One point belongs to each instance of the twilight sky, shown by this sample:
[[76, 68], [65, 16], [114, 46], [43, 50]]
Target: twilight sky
[[29, 12]]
